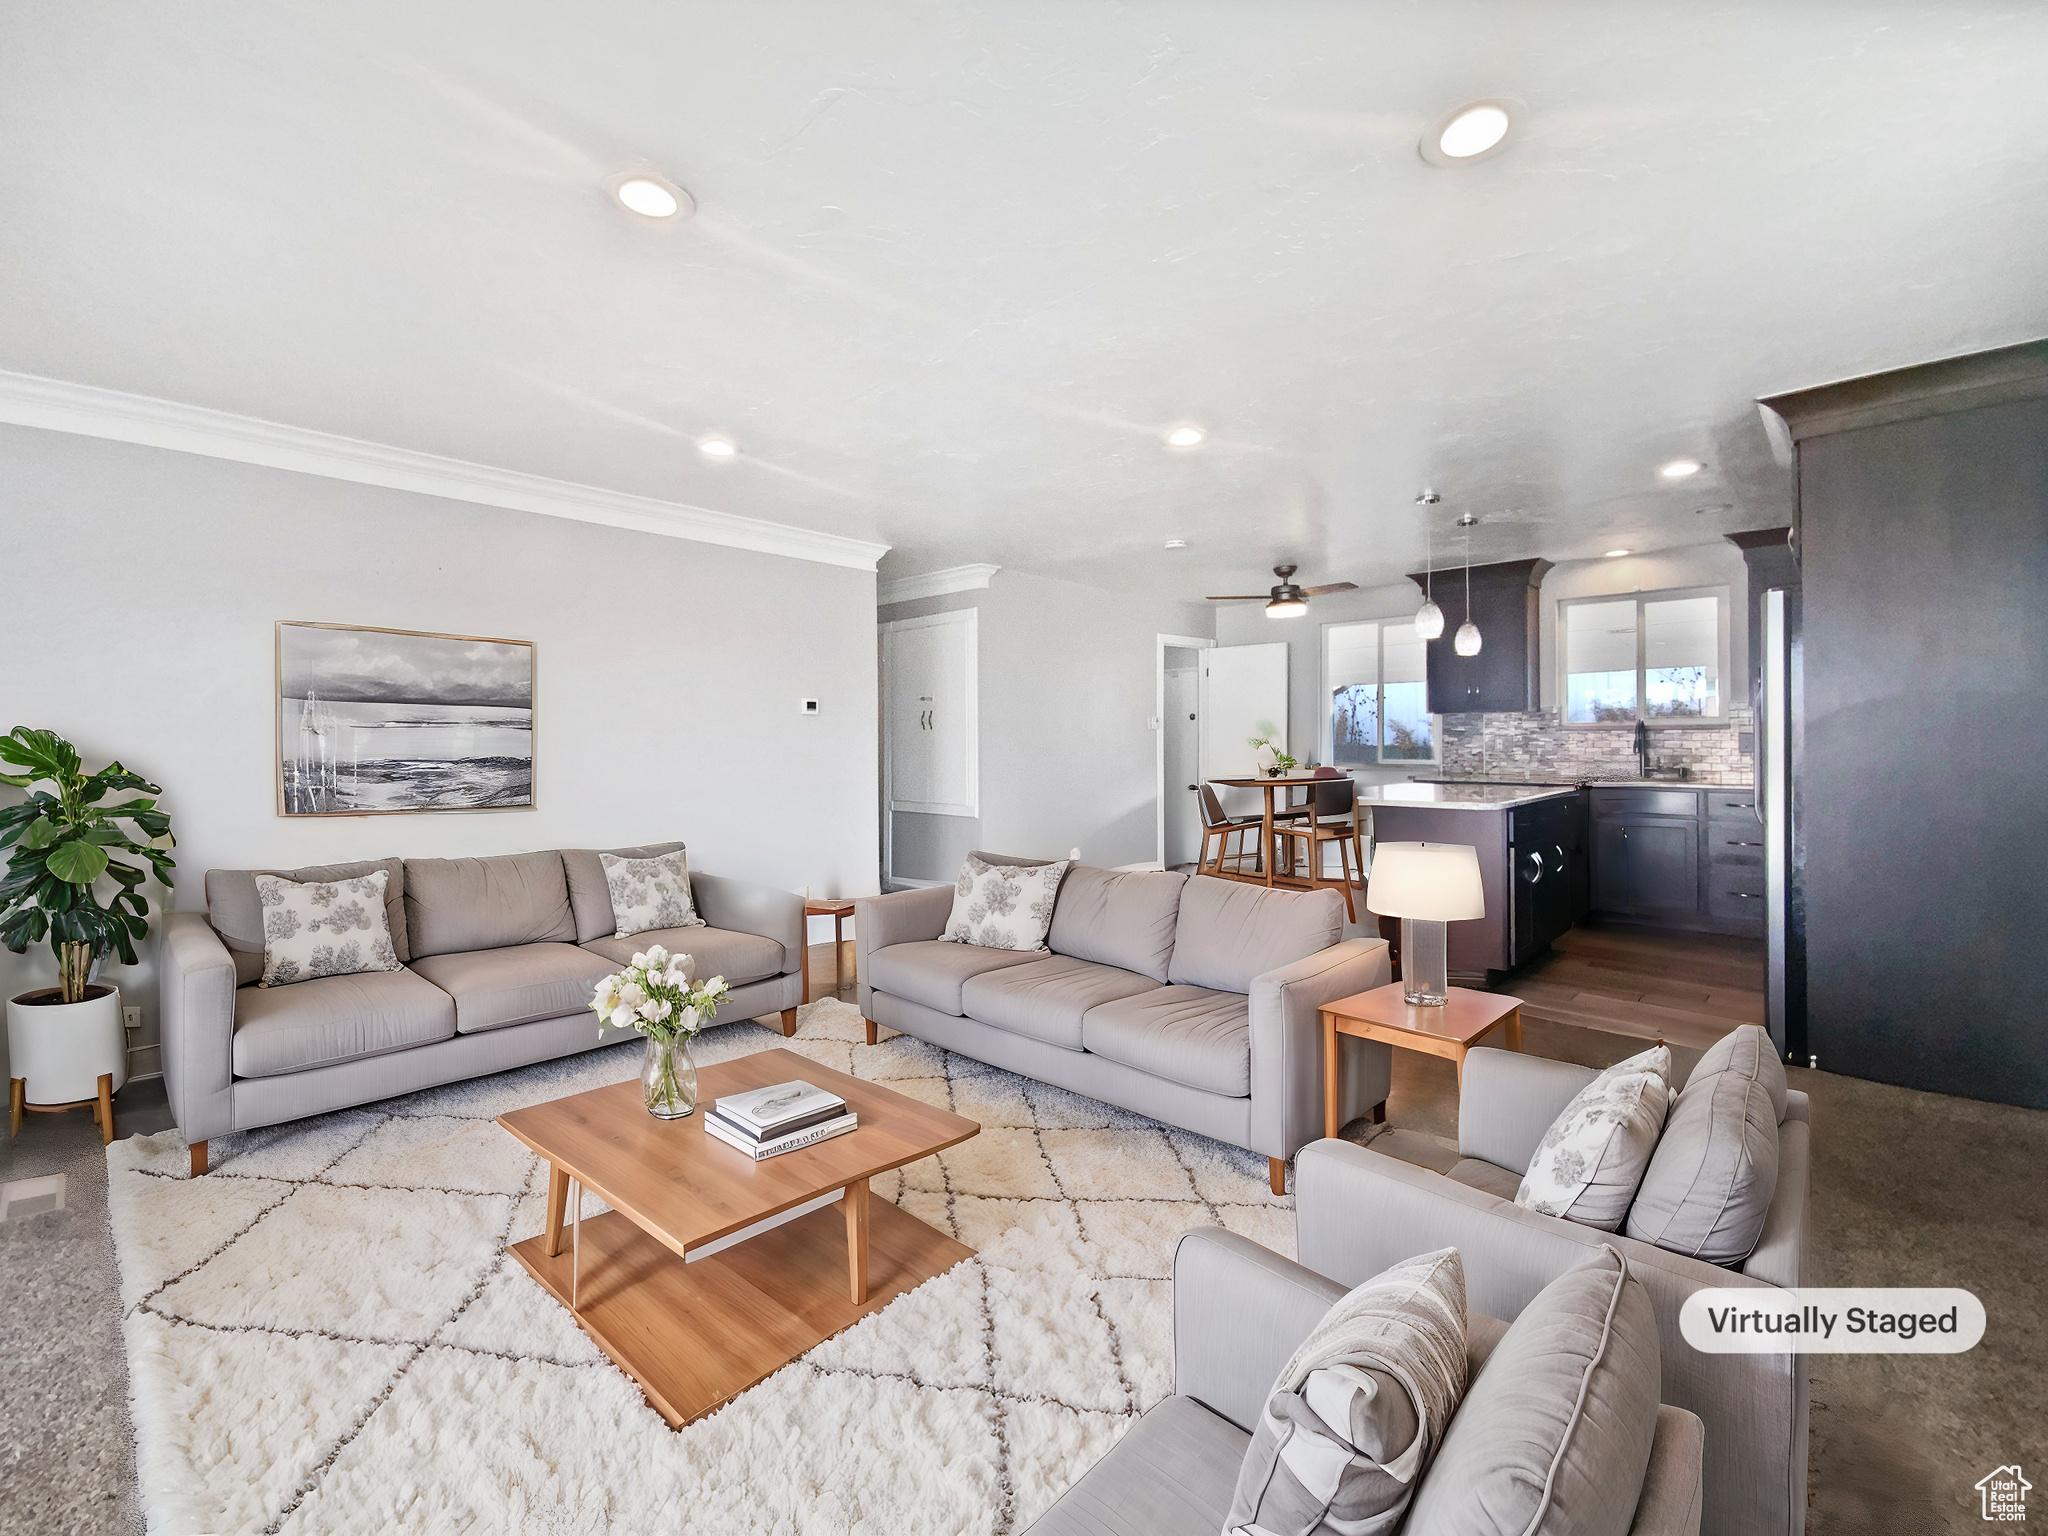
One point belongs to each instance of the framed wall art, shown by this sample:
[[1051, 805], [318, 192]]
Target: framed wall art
[[382, 721]]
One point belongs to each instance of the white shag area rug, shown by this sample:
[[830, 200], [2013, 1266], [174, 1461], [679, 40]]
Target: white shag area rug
[[325, 1333]]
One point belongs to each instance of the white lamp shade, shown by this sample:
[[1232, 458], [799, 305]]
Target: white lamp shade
[[1437, 882]]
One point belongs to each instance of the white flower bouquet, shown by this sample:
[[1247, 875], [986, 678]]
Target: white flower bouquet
[[656, 996]]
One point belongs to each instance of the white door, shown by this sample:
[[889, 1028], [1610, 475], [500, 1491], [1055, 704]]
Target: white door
[[1244, 694], [929, 714], [1183, 767]]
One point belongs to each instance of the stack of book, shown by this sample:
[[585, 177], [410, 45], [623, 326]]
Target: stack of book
[[763, 1122]]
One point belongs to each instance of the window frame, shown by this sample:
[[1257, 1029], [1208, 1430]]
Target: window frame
[[1723, 656], [1326, 730]]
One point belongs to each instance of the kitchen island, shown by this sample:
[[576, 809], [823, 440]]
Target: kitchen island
[[1532, 842]]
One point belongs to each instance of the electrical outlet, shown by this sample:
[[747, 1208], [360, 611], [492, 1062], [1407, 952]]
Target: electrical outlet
[[131, 1018]]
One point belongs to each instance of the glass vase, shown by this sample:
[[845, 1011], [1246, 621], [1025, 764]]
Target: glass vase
[[668, 1079]]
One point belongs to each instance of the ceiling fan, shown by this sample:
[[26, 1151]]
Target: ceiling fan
[[1287, 601]]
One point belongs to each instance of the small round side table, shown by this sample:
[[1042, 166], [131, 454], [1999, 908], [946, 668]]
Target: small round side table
[[839, 910]]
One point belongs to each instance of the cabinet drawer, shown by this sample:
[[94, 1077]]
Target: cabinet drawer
[[1737, 903], [1731, 805], [1734, 845], [1647, 802]]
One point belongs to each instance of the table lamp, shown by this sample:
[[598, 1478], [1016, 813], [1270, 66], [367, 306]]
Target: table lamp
[[1426, 885]]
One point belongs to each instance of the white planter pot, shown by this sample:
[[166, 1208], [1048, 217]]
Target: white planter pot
[[63, 1049]]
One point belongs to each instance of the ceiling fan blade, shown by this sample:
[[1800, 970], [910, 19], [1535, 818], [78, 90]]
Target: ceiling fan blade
[[1325, 591], [1241, 597]]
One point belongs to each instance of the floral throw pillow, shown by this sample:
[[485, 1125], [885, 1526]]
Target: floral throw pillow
[[324, 928], [1591, 1161], [1003, 906], [650, 893]]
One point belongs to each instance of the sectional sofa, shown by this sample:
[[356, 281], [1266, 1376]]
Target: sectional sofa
[[1192, 1001], [500, 955]]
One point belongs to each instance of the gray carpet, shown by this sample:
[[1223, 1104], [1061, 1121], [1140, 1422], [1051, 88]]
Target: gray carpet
[[1908, 1188]]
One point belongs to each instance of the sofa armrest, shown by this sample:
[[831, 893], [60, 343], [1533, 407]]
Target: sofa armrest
[[196, 1008], [1287, 1045], [744, 907], [1779, 1257], [1674, 1484], [1239, 1313], [1506, 1101], [902, 917]]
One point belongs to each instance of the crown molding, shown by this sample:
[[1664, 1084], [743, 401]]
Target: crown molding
[[60, 406], [955, 578]]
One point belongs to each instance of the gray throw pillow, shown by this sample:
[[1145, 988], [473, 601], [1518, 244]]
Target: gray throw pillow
[[1553, 1438], [1747, 1051], [1710, 1182], [1588, 1164], [1003, 906], [1357, 1411]]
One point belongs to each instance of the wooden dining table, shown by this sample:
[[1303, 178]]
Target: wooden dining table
[[1267, 845]]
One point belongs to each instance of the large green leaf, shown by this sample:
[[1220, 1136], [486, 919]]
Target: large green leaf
[[42, 832], [77, 862], [46, 753]]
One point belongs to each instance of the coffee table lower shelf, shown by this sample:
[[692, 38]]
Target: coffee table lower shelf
[[696, 1335]]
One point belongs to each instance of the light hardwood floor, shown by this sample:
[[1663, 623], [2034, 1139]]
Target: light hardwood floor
[[1685, 988]]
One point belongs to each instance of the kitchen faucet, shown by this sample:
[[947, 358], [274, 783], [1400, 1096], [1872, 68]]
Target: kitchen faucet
[[1642, 749]]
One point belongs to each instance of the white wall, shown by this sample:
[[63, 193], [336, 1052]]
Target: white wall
[[1697, 565], [1067, 679], [136, 620]]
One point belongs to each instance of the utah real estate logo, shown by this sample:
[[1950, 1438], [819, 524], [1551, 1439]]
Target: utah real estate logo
[[2005, 1496]]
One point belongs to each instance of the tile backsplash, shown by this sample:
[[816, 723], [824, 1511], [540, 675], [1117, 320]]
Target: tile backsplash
[[1535, 745]]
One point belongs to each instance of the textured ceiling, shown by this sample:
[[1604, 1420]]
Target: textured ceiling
[[957, 267]]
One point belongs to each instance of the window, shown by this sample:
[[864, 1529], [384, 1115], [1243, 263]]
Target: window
[[1379, 694], [1656, 657]]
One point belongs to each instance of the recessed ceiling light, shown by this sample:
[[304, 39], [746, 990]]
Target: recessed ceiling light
[[1184, 436], [1176, 543], [1469, 520], [716, 447], [1469, 134], [1680, 469], [651, 196], [1615, 554]]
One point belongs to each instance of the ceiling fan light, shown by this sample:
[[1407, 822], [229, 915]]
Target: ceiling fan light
[[1286, 608], [1467, 641], [1429, 621]]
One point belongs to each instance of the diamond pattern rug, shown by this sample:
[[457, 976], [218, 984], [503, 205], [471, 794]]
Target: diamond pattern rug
[[326, 1333]]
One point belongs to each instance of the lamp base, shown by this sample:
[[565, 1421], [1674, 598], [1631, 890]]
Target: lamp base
[[1425, 962]]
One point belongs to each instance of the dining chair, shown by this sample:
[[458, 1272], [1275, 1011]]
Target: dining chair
[[1221, 828], [1333, 817]]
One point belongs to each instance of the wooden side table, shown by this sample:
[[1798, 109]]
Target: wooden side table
[[839, 910], [1384, 1014]]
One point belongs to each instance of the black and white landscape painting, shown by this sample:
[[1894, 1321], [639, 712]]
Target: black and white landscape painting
[[387, 720]]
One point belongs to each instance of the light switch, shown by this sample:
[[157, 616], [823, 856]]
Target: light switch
[[807, 707]]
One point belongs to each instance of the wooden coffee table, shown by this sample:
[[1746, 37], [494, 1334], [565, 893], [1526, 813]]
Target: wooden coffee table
[[711, 1270], [1384, 1014]]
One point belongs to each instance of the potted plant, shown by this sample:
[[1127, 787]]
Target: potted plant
[[61, 843]]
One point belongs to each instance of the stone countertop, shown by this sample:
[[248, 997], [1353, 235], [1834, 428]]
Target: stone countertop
[[1444, 796], [1694, 783]]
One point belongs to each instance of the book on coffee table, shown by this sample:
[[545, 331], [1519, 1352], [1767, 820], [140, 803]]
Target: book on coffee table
[[809, 1136]]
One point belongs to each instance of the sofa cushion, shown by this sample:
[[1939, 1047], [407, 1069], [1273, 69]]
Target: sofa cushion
[[1355, 1413], [650, 893], [1171, 1474], [738, 957], [1123, 918], [236, 914], [453, 906], [1188, 1035], [515, 985], [324, 927], [1747, 1051], [1046, 998], [1710, 1182], [1003, 906], [590, 897], [1477, 1173], [932, 971], [1588, 1164], [336, 1019], [1228, 931], [1555, 1431]]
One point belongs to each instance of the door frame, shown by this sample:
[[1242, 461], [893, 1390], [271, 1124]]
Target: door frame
[[1159, 647]]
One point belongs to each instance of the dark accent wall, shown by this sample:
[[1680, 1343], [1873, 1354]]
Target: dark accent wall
[[1923, 779]]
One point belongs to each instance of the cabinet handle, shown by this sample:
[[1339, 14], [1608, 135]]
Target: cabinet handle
[[1748, 895], [1732, 843]]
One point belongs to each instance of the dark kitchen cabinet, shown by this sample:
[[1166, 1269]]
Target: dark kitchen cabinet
[[1505, 677], [1646, 854], [1540, 851]]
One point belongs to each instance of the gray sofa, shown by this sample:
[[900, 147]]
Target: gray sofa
[[500, 957], [1239, 1312], [1360, 1209], [1192, 1001]]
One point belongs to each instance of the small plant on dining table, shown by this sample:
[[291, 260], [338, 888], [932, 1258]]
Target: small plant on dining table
[[656, 996], [1272, 762]]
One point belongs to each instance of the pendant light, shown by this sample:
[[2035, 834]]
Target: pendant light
[[1467, 641], [1429, 619]]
